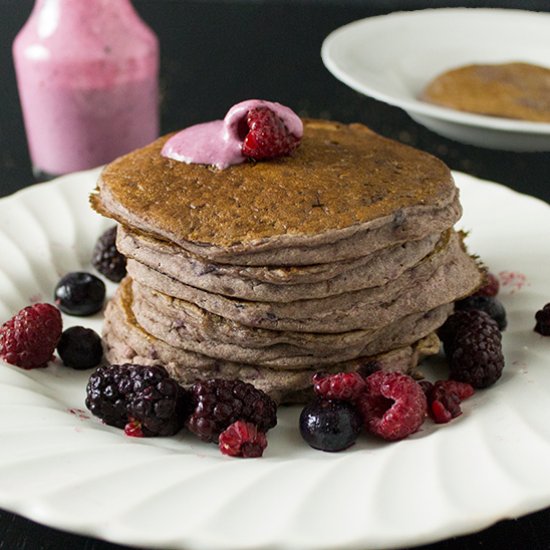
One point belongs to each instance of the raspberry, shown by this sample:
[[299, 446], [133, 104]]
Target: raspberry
[[242, 439], [491, 286], [28, 339], [144, 397], [426, 386], [80, 348], [80, 293], [393, 405], [267, 136], [330, 425], [492, 306], [107, 259], [542, 318], [345, 386], [218, 403], [444, 398], [473, 347]]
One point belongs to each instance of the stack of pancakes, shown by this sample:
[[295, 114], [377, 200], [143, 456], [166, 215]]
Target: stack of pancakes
[[337, 256]]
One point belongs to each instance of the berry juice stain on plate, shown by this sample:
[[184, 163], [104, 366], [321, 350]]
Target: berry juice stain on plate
[[513, 281], [79, 413], [35, 298]]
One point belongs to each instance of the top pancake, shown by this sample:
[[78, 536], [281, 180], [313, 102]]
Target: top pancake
[[342, 180], [509, 90]]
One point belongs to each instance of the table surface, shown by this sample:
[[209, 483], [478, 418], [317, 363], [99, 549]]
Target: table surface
[[216, 53]]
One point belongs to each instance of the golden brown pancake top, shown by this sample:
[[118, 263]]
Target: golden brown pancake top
[[509, 90], [340, 176]]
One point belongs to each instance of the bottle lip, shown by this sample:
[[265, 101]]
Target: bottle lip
[[64, 25]]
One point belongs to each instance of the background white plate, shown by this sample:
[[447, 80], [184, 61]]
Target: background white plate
[[392, 58], [62, 468]]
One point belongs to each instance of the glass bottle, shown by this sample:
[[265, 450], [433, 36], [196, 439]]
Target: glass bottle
[[87, 74]]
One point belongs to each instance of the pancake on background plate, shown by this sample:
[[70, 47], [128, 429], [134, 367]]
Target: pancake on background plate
[[508, 90]]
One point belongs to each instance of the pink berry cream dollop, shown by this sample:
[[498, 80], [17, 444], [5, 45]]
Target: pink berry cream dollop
[[253, 128]]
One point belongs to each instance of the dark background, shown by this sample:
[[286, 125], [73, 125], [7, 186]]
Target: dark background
[[216, 53]]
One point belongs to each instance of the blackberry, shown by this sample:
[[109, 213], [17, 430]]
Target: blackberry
[[330, 425], [107, 259], [454, 324], [80, 348], [144, 397], [474, 348], [217, 403], [542, 318], [80, 293], [489, 304]]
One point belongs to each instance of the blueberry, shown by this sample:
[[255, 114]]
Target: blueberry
[[80, 293], [330, 425], [80, 348], [490, 305]]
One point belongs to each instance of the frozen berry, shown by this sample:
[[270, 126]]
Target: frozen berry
[[29, 338], [80, 293], [444, 398], [218, 403], [473, 348], [144, 397], [542, 318], [492, 306], [393, 405], [80, 348], [107, 259], [491, 286], [330, 425], [267, 136], [345, 386], [242, 439]]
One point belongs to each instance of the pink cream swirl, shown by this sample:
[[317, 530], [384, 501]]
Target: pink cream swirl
[[220, 142]]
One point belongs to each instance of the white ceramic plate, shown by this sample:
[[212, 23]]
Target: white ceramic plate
[[392, 57], [60, 467]]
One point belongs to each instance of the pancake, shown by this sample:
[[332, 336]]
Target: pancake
[[274, 284], [177, 322], [509, 90], [345, 193], [336, 256], [255, 347], [126, 342], [444, 276]]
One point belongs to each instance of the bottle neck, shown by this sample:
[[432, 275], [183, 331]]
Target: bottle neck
[[51, 15], [83, 5]]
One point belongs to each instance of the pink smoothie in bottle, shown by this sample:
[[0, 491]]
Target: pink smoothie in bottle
[[87, 72]]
